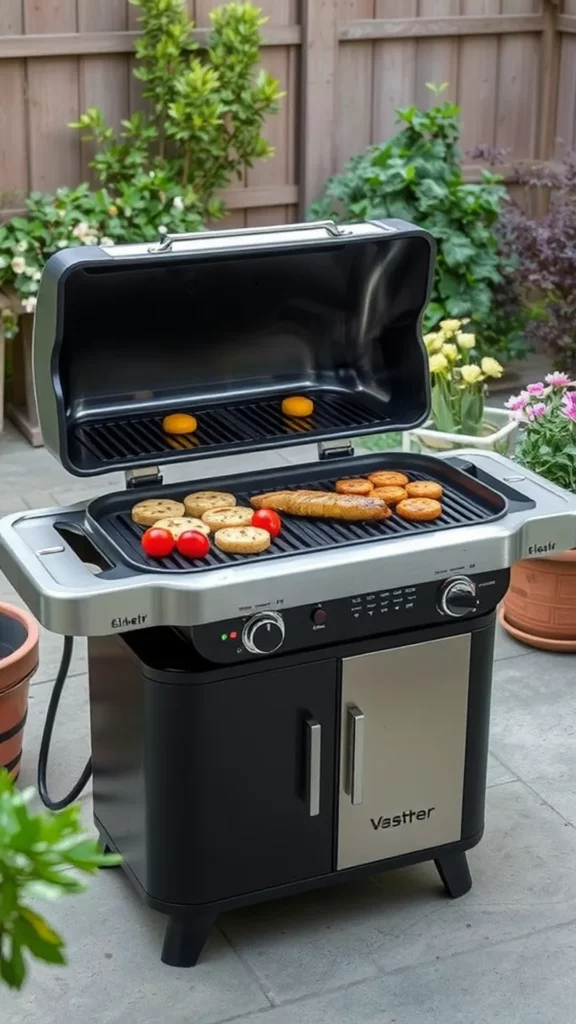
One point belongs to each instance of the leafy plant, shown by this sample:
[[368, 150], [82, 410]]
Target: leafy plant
[[458, 380], [417, 176], [547, 412], [40, 857], [543, 250], [160, 173], [209, 106]]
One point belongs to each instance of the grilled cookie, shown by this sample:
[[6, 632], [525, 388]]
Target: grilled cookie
[[147, 513], [219, 518], [420, 510], [177, 525], [200, 502], [390, 494], [242, 540], [354, 487], [387, 478], [424, 489]]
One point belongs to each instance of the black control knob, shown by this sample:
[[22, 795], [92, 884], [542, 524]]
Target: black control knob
[[458, 597], [264, 633]]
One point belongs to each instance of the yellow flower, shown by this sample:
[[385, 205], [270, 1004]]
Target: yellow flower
[[472, 374], [466, 340], [433, 341], [491, 367], [450, 351], [438, 363], [450, 326]]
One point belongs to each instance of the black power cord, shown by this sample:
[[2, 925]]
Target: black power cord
[[58, 805]]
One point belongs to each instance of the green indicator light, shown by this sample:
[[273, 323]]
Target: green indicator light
[[224, 636]]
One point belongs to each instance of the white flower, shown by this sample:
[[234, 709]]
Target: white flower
[[62, 213], [178, 203], [90, 240], [152, 174], [162, 229], [29, 304], [106, 241], [81, 229], [18, 265], [21, 246], [29, 271], [62, 243], [37, 275], [3, 262]]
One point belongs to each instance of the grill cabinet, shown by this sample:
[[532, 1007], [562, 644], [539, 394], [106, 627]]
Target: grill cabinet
[[267, 725]]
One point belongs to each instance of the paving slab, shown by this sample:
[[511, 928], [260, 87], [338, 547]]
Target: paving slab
[[534, 725]]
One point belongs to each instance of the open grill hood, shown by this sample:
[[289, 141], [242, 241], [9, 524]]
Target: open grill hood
[[224, 325]]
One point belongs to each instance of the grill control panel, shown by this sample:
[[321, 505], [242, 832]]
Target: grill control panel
[[266, 632]]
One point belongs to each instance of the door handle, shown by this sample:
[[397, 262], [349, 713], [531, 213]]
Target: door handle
[[314, 751], [356, 721]]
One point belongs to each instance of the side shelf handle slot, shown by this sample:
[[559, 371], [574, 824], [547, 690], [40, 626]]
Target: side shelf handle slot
[[314, 751]]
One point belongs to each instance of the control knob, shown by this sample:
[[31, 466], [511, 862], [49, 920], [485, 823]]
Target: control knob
[[264, 633], [458, 597]]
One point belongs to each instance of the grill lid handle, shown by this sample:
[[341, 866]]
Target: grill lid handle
[[329, 226]]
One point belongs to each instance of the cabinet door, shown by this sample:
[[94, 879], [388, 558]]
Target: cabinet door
[[260, 781], [403, 736]]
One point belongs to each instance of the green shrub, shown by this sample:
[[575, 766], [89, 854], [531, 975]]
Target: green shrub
[[417, 176], [40, 858]]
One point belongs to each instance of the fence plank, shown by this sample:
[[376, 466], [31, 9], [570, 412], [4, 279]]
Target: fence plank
[[423, 28], [319, 109], [52, 100], [103, 80], [354, 87], [394, 71], [566, 116], [437, 59], [13, 135], [280, 128], [477, 87], [518, 77]]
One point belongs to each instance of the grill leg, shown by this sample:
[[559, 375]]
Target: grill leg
[[185, 938], [454, 873]]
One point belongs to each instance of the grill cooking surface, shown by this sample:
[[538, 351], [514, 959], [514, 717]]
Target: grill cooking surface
[[220, 427], [465, 502]]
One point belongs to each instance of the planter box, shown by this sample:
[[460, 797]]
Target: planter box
[[503, 438]]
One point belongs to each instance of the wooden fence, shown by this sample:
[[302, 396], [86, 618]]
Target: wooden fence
[[345, 65]]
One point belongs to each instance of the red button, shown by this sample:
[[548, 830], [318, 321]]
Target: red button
[[233, 636], [319, 616]]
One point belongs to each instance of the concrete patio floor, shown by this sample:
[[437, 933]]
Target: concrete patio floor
[[388, 950]]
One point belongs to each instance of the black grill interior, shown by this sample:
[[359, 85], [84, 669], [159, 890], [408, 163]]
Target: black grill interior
[[465, 502], [221, 427]]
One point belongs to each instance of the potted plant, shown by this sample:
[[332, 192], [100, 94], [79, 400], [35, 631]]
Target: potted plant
[[540, 606], [18, 663], [40, 856], [460, 417]]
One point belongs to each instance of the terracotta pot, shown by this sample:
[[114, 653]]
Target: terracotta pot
[[18, 663], [540, 606]]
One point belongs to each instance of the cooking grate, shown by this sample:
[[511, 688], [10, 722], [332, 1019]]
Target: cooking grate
[[460, 508], [220, 427]]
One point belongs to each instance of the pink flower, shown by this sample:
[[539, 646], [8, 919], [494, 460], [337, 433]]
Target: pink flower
[[557, 379], [569, 405], [535, 389], [516, 402], [539, 409]]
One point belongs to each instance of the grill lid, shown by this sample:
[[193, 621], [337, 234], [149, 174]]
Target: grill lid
[[224, 325]]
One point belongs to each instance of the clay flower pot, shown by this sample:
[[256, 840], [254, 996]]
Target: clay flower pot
[[540, 606], [18, 663]]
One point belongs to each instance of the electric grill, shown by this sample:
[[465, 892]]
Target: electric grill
[[267, 724]]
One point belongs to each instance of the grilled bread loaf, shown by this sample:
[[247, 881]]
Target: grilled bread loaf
[[324, 505]]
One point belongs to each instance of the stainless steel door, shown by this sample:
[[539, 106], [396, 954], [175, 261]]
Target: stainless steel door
[[403, 736]]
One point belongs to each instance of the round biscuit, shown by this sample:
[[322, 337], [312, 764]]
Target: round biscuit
[[422, 510], [388, 478], [200, 502], [424, 489], [177, 525], [390, 494], [219, 518], [354, 486], [242, 540], [148, 512]]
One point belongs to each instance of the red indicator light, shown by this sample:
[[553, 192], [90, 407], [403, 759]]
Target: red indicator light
[[233, 635]]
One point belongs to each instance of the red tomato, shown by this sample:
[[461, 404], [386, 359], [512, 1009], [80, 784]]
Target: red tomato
[[193, 544], [267, 519], [158, 542]]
